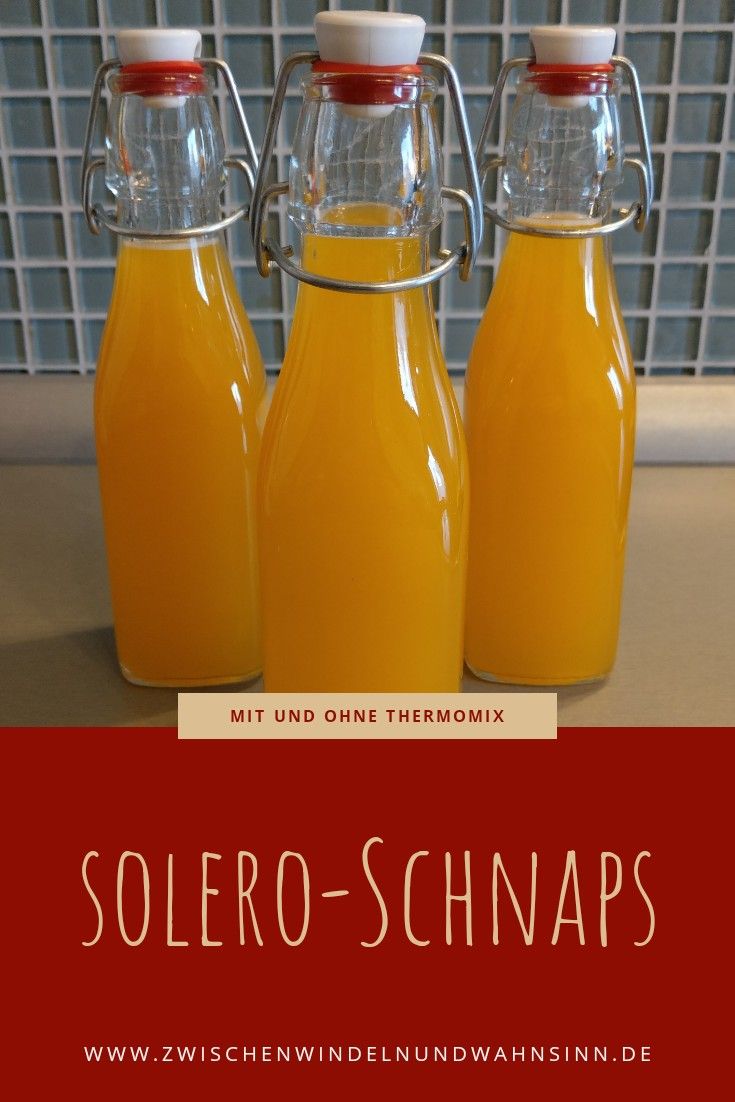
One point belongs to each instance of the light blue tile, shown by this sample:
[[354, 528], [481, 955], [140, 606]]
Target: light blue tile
[[12, 349], [656, 111], [652, 11], [298, 43], [699, 117], [720, 339], [72, 13], [477, 58], [48, 290], [481, 12], [680, 371], [258, 293], [251, 59], [41, 236], [250, 13], [6, 244], [88, 246], [688, 232], [36, 180], [21, 13], [594, 11], [460, 335], [682, 286], [92, 335], [53, 341], [73, 173], [432, 11], [95, 287], [131, 13], [634, 282], [709, 11], [726, 237], [188, 13], [535, 11], [76, 60], [21, 63], [676, 339], [723, 286], [629, 242], [73, 111], [694, 175], [652, 53], [2, 186], [269, 335], [358, 5], [637, 329], [705, 57], [472, 294], [28, 123], [256, 111], [8, 290], [711, 370]]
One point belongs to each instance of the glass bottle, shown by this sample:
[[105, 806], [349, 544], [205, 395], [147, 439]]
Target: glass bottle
[[550, 390], [363, 489], [180, 381]]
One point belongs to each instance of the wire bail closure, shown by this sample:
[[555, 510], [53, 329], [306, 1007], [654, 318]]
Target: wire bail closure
[[637, 213], [96, 214], [269, 252]]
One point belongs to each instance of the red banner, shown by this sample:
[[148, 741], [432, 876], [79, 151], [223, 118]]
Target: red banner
[[351, 919]]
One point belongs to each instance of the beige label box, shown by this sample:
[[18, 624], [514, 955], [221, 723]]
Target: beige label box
[[367, 715]]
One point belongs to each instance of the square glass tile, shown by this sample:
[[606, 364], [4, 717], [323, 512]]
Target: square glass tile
[[535, 11], [635, 283], [477, 58], [131, 13], [95, 287], [479, 11], [53, 341], [36, 180], [28, 123], [21, 63], [682, 286], [249, 13], [694, 175], [92, 336], [434, 11], [629, 242], [656, 111], [728, 189], [709, 11], [652, 53], [676, 339], [22, 13], [48, 290], [460, 336], [12, 348], [76, 60], [41, 236], [723, 286], [594, 11], [652, 11], [726, 236], [73, 111], [720, 339], [473, 294], [251, 59], [688, 232], [705, 57], [637, 329], [72, 13], [88, 246], [188, 13], [258, 293], [8, 290], [699, 117]]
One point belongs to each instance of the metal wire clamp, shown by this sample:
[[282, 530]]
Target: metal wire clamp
[[637, 213], [97, 216], [269, 252]]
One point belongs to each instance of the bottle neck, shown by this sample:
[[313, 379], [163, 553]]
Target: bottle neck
[[563, 150], [165, 160]]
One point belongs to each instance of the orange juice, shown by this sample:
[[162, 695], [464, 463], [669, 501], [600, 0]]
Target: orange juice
[[179, 384], [362, 489], [550, 419]]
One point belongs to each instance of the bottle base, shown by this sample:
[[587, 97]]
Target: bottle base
[[188, 683], [546, 682]]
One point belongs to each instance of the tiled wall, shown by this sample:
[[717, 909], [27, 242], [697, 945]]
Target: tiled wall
[[677, 281]]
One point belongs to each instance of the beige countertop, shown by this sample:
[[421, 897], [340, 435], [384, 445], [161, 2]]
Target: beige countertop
[[676, 661]]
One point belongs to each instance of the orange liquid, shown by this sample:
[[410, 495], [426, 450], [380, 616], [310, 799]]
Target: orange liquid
[[179, 385], [550, 419], [362, 489]]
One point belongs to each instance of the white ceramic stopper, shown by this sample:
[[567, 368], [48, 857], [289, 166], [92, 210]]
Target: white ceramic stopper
[[369, 38], [135, 47], [572, 45]]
